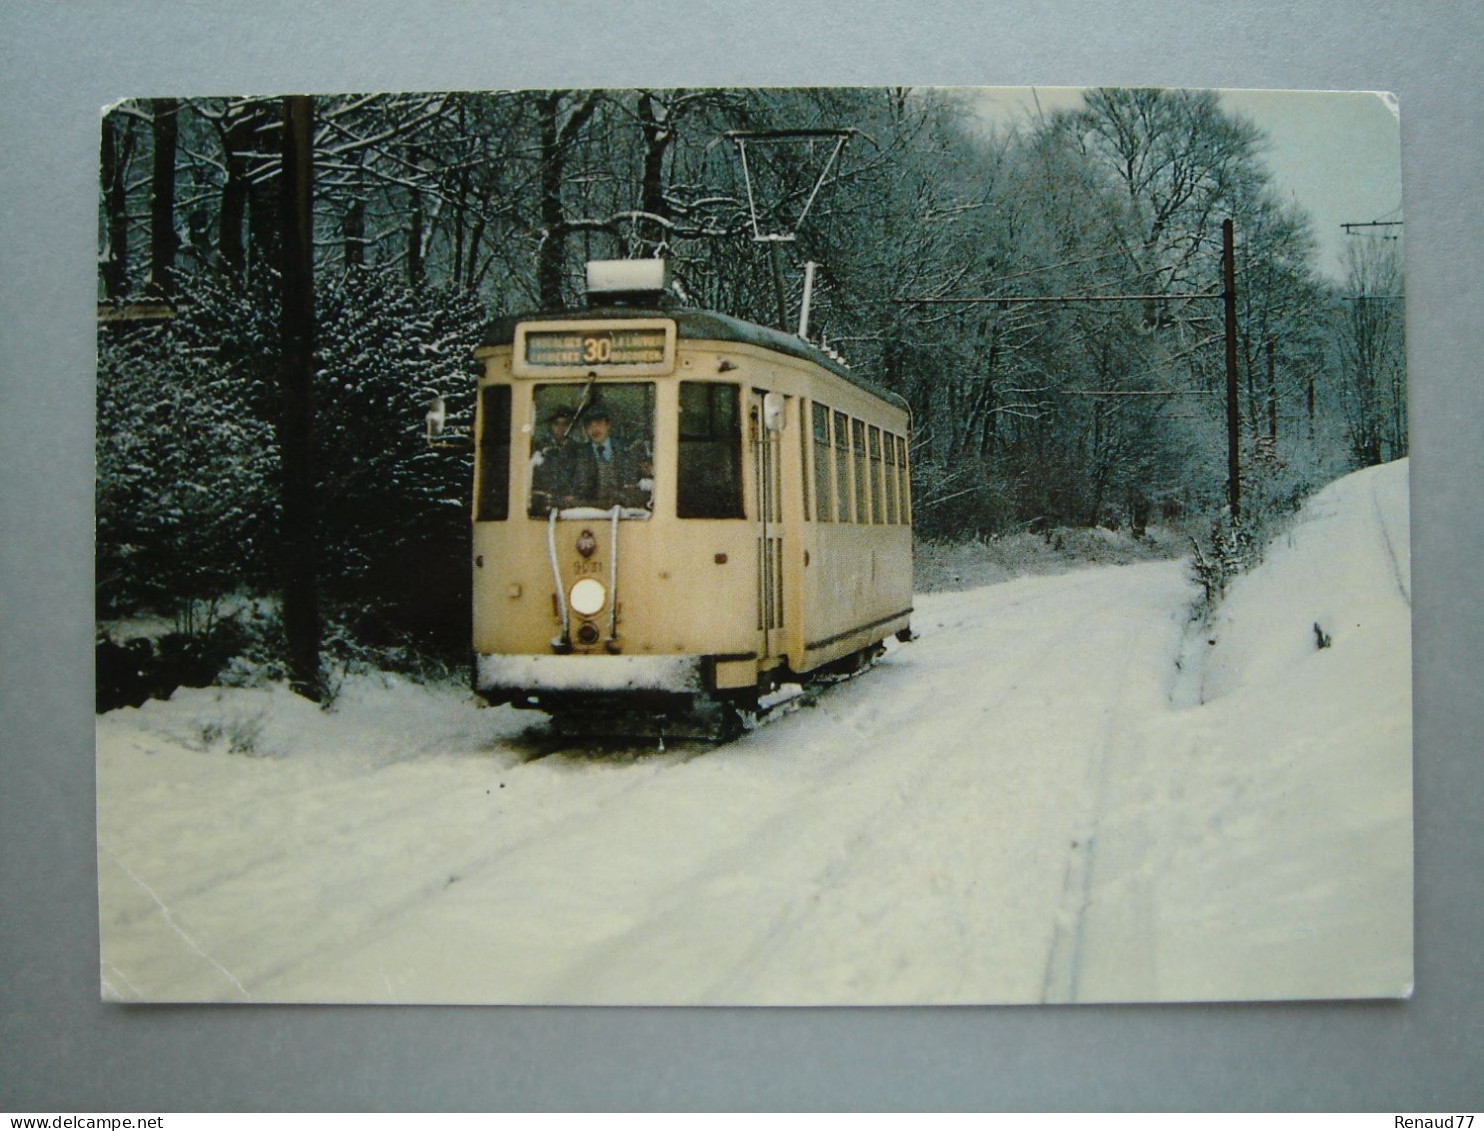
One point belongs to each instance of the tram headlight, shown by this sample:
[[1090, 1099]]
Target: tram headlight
[[587, 597]]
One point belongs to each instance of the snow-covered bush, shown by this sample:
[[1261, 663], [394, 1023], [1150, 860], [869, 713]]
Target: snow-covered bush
[[956, 564], [1273, 496], [394, 516], [186, 460], [142, 667]]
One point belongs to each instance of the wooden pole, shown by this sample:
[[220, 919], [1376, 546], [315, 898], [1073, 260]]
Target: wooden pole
[[296, 407]]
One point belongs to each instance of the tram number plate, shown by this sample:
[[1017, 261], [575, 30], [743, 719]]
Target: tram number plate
[[595, 347]]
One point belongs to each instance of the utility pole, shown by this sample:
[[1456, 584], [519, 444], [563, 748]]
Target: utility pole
[[780, 294], [1233, 430], [1309, 402], [296, 404]]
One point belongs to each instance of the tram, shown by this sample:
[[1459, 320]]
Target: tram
[[676, 512]]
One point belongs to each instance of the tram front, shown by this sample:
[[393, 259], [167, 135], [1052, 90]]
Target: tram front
[[610, 544]]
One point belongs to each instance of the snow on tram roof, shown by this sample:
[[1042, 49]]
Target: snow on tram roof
[[692, 324]]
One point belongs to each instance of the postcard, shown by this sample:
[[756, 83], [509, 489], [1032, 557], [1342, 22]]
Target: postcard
[[818, 546]]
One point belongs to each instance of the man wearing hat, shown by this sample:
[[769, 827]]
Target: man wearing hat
[[605, 472], [551, 462]]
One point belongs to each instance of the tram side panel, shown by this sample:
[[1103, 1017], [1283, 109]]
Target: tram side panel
[[857, 582], [844, 584]]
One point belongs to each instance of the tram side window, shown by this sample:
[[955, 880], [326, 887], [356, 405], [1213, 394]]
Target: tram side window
[[823, 506], [708, 469], [842, 467], [904, 481], [893, 499], [862, 478], [493, 503], [805, 483], [878, 485]]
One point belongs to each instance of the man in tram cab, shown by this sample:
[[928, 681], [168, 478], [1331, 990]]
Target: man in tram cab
[[551, 459], [605, 471]]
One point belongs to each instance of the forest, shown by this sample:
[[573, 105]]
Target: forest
[[1090, 391]]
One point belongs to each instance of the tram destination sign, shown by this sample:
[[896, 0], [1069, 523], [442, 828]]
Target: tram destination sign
[[637, 347], [596, 347]]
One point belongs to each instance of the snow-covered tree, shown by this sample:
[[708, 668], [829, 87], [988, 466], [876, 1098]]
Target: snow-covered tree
[[394, 514], [1372, 357], [186, 461]]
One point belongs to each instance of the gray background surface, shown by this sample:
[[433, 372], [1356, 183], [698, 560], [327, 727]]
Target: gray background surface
[[62, 1050]]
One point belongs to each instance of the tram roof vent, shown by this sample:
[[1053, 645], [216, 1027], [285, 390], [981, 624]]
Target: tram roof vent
[[637, 281]]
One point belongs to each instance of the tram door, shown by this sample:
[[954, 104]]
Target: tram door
[[765, 425]]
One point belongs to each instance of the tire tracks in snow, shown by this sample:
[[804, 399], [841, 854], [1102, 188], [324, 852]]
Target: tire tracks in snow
[[335, 869], [282, 981], [1067, 948], [1103, 943], [211, 878], [797, 829], [1387, 539]]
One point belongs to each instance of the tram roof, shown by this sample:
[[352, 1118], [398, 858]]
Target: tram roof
[[696, 325]]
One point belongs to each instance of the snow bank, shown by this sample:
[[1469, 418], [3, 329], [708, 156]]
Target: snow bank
[[1343, 570], [946, 566], [1274, 820]]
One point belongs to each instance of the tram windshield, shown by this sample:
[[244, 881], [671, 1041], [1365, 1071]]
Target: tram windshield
[[592, 449]]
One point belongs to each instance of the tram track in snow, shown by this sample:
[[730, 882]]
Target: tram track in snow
[[444, 871], [912, 786]]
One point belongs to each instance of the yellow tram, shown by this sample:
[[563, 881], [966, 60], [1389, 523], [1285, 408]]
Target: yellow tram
[[676, 511]]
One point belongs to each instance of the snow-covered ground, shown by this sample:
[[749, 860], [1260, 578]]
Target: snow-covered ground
[[1061, 792]]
